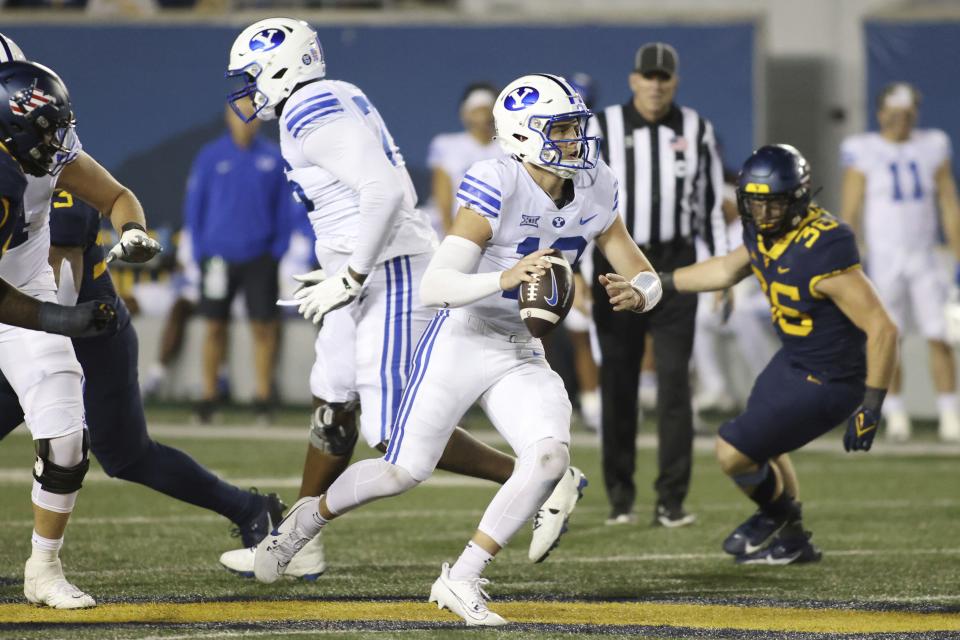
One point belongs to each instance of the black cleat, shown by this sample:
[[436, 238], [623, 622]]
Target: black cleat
[[257, 527], [672, 516], [790, 546], [753, 534]]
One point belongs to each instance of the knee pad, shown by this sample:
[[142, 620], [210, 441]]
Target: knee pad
[[549, 457], [62, 462], [333, 428]]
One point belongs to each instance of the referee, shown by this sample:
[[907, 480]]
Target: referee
[[670, 181]]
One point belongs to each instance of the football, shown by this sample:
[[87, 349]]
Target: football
[[545, 303]]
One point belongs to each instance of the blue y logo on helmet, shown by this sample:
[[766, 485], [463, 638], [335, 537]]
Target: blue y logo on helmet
[[267, 39], [521, 98]]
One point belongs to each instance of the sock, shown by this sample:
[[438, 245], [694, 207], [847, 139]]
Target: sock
[[310, 521], [893, 403], [947, 403], [45, 549], [471, 563], [174, 473], [648, 379]]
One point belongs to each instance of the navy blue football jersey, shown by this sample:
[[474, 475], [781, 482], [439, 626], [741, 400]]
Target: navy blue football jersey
[[12, 186], [74, 223], [815, 333]]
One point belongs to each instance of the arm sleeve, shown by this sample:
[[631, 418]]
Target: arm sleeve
[[715, 228], [69, 221], [481, 190], [349, 151], [194, 205], [449, 280]]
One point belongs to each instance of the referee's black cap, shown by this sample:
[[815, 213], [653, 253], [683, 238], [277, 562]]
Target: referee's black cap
[[657, 57]]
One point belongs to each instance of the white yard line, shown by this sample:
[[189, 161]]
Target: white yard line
[[579, 439]]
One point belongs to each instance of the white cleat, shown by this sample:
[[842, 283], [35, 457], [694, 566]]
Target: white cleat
[[898, 426], [550, 522], [465, 598], [44, 583], [309, 564], [590, 409], [949, 429], [274, 553]]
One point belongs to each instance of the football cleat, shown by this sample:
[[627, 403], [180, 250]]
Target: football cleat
[[254, 530], [949, 428], [44, 583], [466, 598], [621, 517], [278, 548], [898, 426], [790, 546], [755, 532], [309, 564], [672, 516], [551, 520]]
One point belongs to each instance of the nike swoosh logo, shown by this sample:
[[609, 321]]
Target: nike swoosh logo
[[586, 220], [783, 269], [749, 548], [555, 295]]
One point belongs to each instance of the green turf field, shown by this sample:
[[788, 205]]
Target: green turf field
[[887, 523]]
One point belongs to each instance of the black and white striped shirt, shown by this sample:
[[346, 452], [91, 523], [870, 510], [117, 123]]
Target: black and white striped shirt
[[670, 175]]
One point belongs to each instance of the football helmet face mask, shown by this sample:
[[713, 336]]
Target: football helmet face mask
[[36, 118], [271, 57], [773, 190], [541, 119]]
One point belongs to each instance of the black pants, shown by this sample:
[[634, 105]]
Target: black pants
[[621, 336]]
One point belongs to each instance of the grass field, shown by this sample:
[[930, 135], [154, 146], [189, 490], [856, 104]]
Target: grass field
[[887, 523]]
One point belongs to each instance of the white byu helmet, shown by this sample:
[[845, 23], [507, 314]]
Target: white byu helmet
[[273, 56], [9, 51], [526, 111]]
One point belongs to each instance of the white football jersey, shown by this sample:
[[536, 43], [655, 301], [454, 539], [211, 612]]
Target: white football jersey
[[27, 259], [454, 153], [899, 209], [525, 219], [333, 206]]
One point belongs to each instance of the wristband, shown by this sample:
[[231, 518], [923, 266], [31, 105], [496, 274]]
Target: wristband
[[648, 285], [873, 399], [666, 281], [132, 225]]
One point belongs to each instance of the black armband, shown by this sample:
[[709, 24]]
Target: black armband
[[132, 225], [873, 399], [666, 281]]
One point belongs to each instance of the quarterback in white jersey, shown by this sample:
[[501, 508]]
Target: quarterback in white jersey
[[552, 194], [373, 245], [42, 368], [894, 181]]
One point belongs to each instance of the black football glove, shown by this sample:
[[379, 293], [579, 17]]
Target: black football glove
[[85, 320], [863, 424]]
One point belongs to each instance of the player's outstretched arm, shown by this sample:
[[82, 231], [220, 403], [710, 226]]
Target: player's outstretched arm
[[855, 296], [635, 286], [86, 179], [450, 279], [714, 274], [85, 320]]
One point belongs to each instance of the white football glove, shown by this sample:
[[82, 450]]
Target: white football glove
[[309, 279], [317, 300], [134, 246]]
